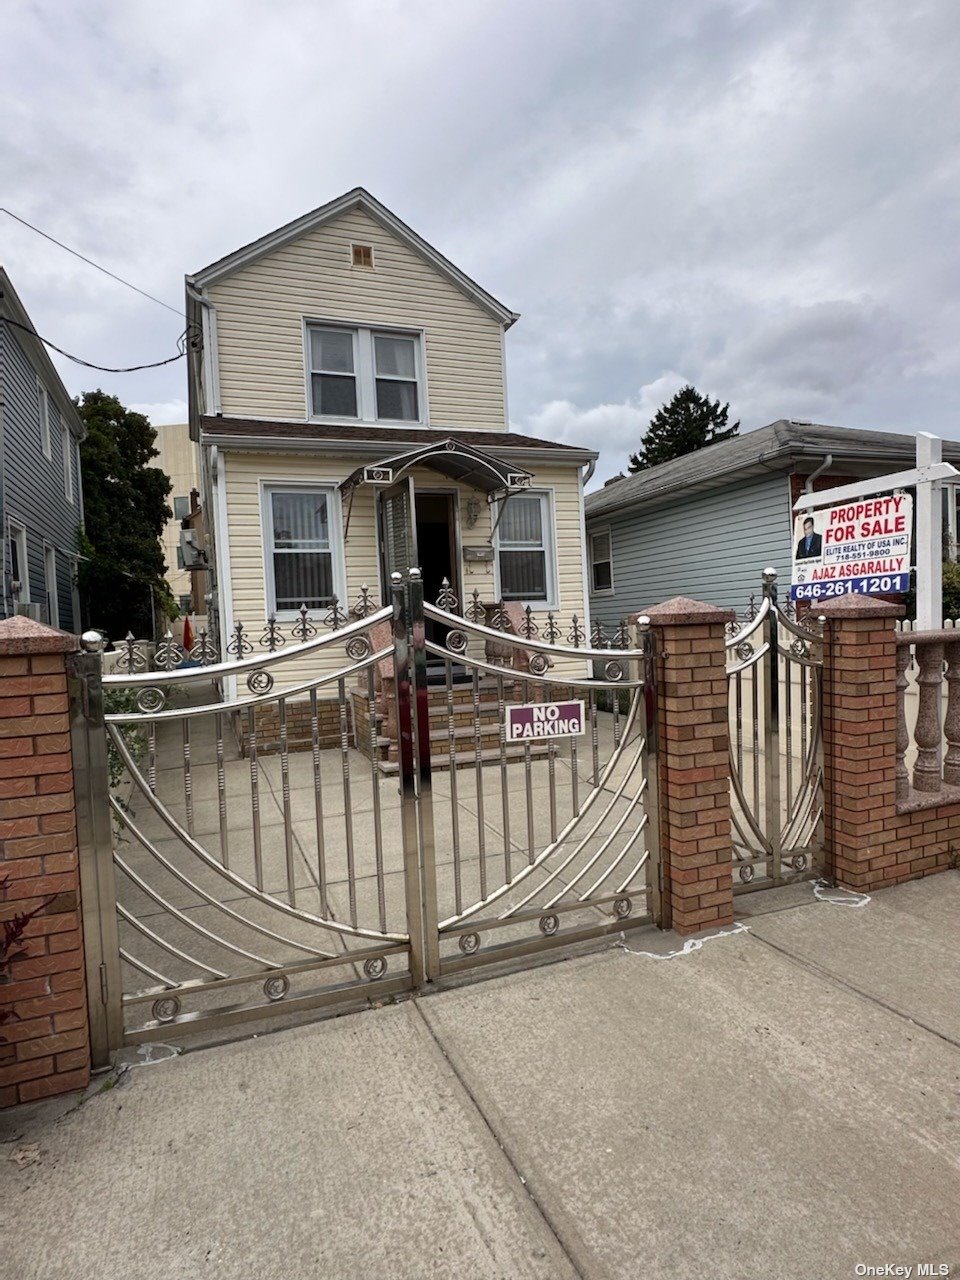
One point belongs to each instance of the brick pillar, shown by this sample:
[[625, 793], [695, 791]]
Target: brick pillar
[[859, 738], [45, 1049], [694, 765]]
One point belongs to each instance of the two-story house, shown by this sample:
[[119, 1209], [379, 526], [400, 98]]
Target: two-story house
[[348, 392], [41, 499]]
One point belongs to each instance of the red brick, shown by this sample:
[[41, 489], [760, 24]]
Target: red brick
[[68, 979], [11, 686], [44, 664], [33, 1090], [56, 1044], [14, 1073], [23, 726], [73, 1059], [70, 1019], [26, 1029], [52, 1004], [58, 963], [49, 703]]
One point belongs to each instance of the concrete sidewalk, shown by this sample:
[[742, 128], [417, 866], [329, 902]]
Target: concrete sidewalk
[[783, 1103]]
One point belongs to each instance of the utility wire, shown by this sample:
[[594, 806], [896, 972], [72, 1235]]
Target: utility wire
[[177, 311], [102, 368]]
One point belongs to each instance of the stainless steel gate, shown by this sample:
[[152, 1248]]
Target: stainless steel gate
[[222, 884], [774, 668]]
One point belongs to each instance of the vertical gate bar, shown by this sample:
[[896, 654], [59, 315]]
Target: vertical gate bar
[[152, 756], [454, 798], [318, 801], [659, 907], [738, 687], [408, 778], [285, 793], [98, 890], [221, 793], [771, 724], [504, 788], [528, 786], [187, 774], [478, 766], [574, 778], [375, 785], [255, 797], [552, 774], [755, 734], [616, 718], [595, 737], [347, 801], [788, 669], [424, 781]]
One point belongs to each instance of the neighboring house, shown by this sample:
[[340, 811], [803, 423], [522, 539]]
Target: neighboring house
[[707, 524], [349, 397], [178, 459], [41, 499]]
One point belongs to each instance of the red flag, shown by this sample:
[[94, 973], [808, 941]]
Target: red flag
[[187, 635]]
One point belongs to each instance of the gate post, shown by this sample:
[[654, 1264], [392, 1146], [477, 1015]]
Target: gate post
[[694, 765], [413, 748], [45, 1042]]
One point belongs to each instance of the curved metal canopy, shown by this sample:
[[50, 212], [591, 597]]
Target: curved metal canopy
[[475, 467]]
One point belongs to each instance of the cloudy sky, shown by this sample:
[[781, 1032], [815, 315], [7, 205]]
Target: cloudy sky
[[758, 196]]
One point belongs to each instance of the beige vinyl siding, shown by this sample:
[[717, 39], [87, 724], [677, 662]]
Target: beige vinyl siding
[[261, 309], [245, 476]]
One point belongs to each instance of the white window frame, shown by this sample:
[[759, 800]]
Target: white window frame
[[548, 524], [50, 584], [43, 408], [18, 532], [335, 521], [67, 463], [363, 244], [600, 531], [364, 371]]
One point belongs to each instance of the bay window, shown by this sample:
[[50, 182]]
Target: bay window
[[370, 375], [299, 538], [525, 553]]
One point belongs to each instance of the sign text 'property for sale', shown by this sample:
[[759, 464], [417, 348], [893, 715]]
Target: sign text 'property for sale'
[[544, 720], [861, 546]]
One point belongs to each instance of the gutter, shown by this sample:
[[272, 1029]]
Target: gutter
[[376, 448]]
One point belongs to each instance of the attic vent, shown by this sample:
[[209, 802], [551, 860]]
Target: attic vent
[[362, 255]]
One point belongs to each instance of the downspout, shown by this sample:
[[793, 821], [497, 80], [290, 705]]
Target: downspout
[[827, 462], [588, 474], [210, 380]]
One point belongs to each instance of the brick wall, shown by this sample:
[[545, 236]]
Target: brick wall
[[45, 1049], [694, 765], [870, 840]]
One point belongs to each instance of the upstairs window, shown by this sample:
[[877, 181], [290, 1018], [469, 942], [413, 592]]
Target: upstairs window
[[601, 562], [525, 550], [43, 406], [368, 375], [361, 255], [19, 566], [298, 531], [181, 508]]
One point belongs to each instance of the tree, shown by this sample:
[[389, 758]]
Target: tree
[[121, 575], [690, 421]]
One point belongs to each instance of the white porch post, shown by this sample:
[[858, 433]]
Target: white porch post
[[929, 537]]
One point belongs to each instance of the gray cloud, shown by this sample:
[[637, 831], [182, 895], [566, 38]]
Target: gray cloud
[[754, 195]]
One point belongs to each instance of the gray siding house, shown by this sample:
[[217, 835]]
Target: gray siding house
[[41, 499], [707, 524]]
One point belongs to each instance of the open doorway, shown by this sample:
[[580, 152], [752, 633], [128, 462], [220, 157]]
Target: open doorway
[[436, 515]]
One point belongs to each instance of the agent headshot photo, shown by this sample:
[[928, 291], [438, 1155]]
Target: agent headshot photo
[[811, 544]]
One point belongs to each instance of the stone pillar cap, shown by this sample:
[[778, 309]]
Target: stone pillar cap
[[682, 611], [20, 635], [856, 606]]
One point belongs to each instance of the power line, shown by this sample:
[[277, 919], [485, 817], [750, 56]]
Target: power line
[[89, 261], [102, 368]]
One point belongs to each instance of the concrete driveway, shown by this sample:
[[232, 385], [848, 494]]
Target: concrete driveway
[[783, 1102]]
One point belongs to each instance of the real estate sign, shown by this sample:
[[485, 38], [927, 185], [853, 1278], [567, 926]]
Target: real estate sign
[[860, 546], [538, 720]]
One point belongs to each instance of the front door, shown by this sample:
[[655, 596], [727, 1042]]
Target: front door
[[398, 532]]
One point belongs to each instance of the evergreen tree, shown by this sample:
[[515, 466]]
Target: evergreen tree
[[690, 421], [121, 577]]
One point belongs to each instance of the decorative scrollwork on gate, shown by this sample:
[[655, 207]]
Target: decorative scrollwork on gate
[[335, 618], [447, 598], [204, 651], [375, 967], [528, 628], [551, 632], [303, 629], [576, 635], [614, 670], [239, 646], [134, 660], [276, 988], [744, 651], [469, 943], [364, 605], [259, 682], [166, 1008], [539, 664], [357, 648], [621, 637], [476, 610], [151, 700], [272, 637], [457, 641], [169, 654]]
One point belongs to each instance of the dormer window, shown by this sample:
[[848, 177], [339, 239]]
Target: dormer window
[[370, 375], [361, 255]]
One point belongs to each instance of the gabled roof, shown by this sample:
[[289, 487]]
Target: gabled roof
[[12, 309], [358, 198], [772, 448]]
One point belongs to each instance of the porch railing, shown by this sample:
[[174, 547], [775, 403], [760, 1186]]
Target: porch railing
[[934, 743]]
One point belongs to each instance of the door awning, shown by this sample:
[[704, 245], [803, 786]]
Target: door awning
[[475, 467]]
